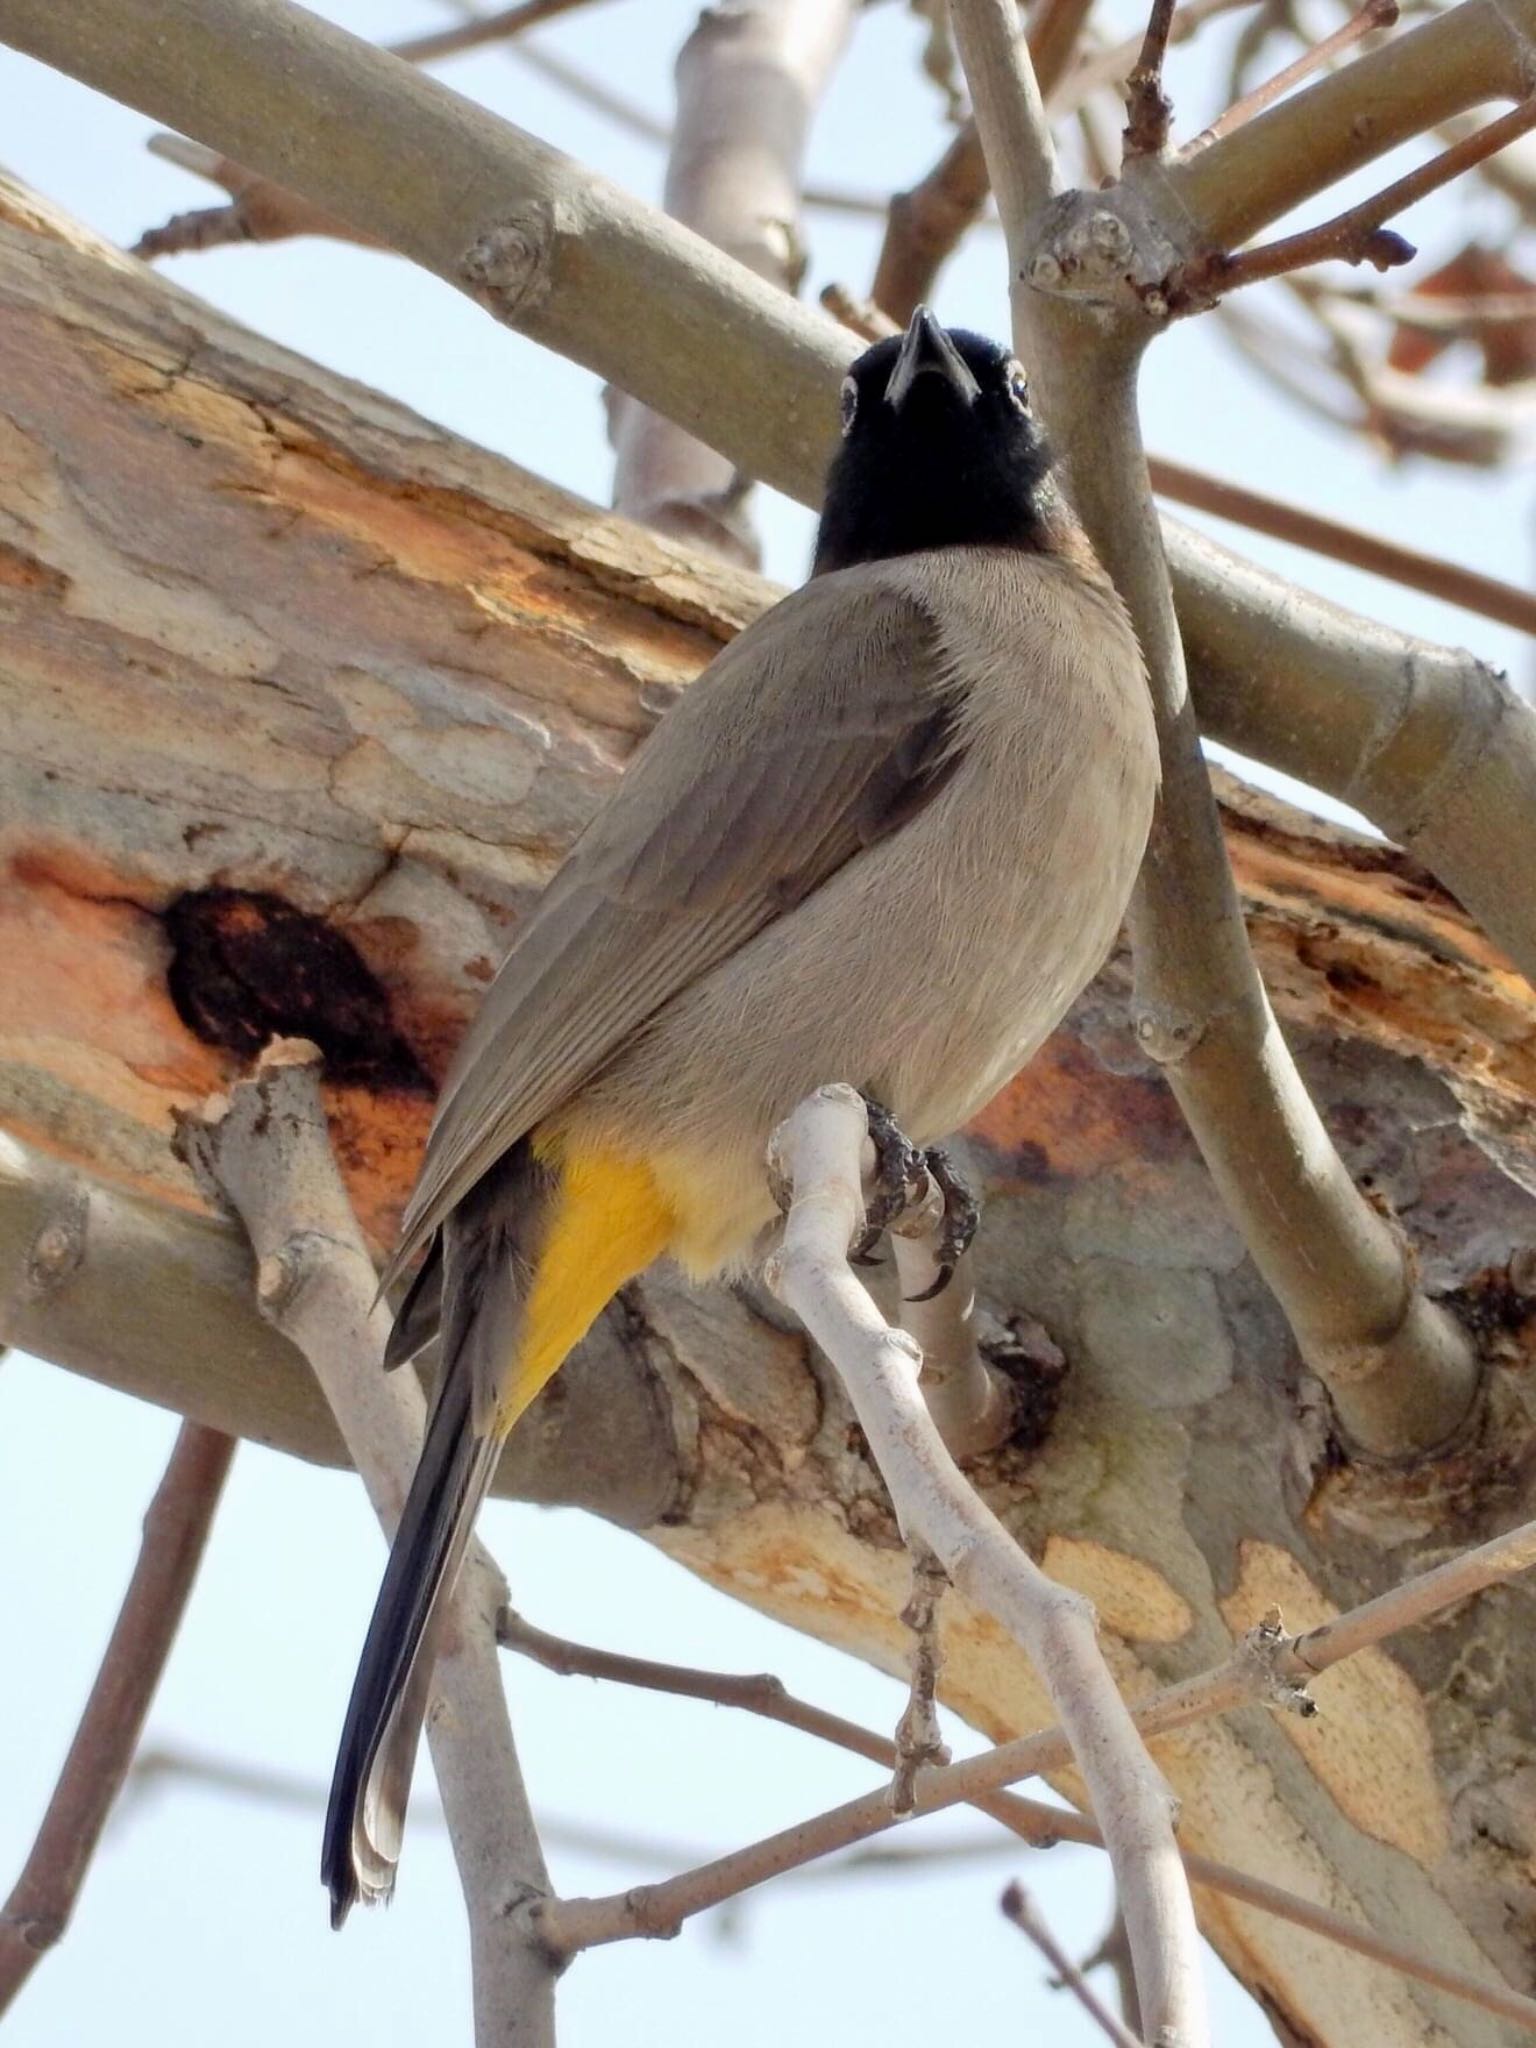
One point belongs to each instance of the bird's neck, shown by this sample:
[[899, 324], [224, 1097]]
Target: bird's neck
[[912, 522]]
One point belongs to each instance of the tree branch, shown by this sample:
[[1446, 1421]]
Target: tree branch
[[265, 1150], [1354, 236], [1031, 1819], [1374, 15], [924, 225], [1266, 1666], [176, 1528], [1432, 745], [475, 33], [817, 1153], [748, 81], [1021, 1909], [1401, 1374], [1473, 52], [1449, 581]]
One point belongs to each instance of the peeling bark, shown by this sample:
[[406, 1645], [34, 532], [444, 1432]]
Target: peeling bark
[[292, 671]]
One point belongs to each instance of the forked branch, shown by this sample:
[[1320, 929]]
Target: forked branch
[[264, 1150], [817, 1153], [1401, 1373]]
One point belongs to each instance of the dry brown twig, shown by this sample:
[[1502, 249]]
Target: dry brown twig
[[1030, 1819], [1267, 1666], [1374, 15], [1354, 236], [264, 1150], [1149, 111], [176, 1528], [1020, 1908], [1432, 574]]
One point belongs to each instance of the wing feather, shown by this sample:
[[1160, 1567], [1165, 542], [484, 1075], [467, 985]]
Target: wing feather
[[821, 728]]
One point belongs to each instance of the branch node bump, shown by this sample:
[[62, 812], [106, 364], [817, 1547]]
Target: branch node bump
[[59, 1246], [508, 267]]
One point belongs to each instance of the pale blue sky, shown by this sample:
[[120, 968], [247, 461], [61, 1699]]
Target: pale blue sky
[[204, 1917]]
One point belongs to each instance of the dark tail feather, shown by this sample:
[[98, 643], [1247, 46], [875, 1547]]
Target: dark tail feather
[[420, 1310], [484, 1271]]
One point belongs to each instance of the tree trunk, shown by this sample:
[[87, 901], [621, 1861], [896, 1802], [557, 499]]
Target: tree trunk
[[304, 699]]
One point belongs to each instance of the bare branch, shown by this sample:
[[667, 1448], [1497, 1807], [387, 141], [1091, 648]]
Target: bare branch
[[1148, 108], [176, 1528], [748, 80], [817, 1153], [1114, 1954], [481, 29], [1031, 1820], [265, 1150], [925, 224], [1354, 236], [1431, 744], [1401, 1374], [1471, 53], [1375, 14], [1448, 581], [1266, 1666], [259, 211], [1021, 1909]]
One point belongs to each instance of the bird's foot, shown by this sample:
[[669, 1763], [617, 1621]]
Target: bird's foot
[[962, 1213], [901, 1178]]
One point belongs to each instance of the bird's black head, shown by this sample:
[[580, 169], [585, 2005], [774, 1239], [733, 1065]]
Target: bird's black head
[[940, 449]]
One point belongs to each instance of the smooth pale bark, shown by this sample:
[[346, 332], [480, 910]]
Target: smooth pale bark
[[267, 632]]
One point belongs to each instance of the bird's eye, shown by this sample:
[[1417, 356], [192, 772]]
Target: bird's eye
[[1018, 387], [849, 405]]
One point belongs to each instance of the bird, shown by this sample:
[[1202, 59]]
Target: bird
[[886, 837]]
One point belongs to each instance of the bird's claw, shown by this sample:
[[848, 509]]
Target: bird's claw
[[962, 1213], [900, 1179]]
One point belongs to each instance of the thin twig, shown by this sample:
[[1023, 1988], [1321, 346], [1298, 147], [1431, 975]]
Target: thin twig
[[1264, 1666], [261, 210], [1357, 234], [1375, 14], [1096, 69], [265, 1151], [1021, 1909], [862, 317], [1030, 1819], [258, 210], [1149, 111], [155, 1769], [817, 1153], [1114, 1954], [176, 1530], [481, 29], [1448, 581]]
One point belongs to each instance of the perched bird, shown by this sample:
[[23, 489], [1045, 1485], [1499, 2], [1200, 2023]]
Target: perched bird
[[885, 838]]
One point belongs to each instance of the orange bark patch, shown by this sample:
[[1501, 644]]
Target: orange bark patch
[[1067, 1115]]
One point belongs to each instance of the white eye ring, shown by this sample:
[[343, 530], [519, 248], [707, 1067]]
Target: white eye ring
[[1018, 387], [848, 405]]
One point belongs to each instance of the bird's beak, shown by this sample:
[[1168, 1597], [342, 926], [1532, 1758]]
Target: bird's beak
[[928, 350]]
